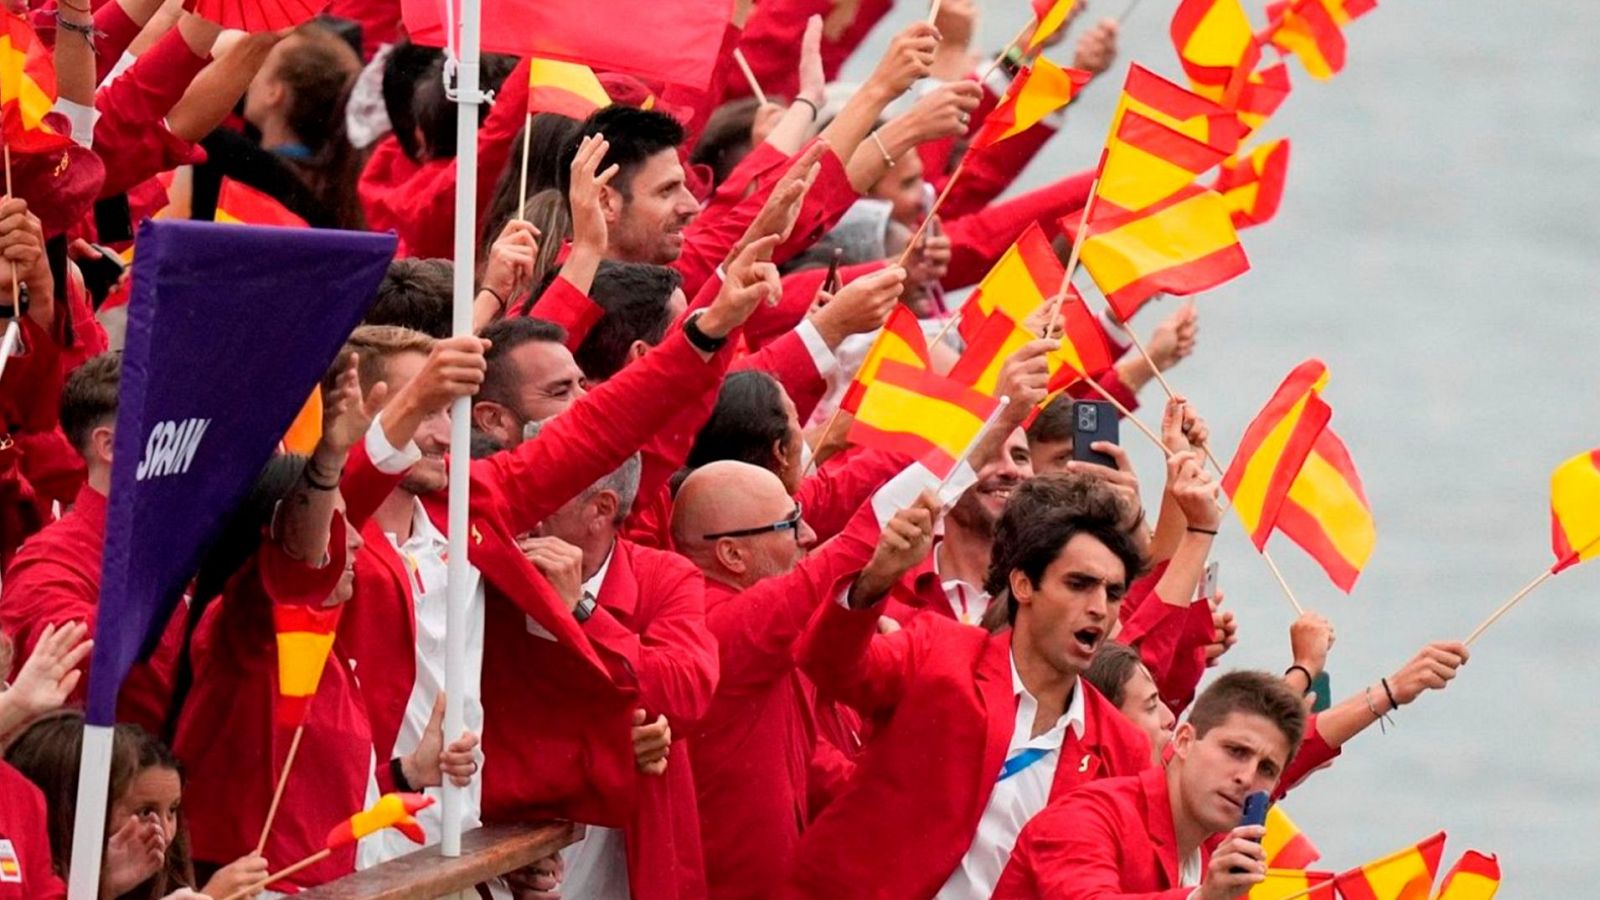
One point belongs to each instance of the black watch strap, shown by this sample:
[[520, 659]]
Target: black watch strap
[[397, 774], [699, 339]]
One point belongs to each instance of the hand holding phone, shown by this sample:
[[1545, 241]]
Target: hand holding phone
[[1092, 421], [1255, 812]]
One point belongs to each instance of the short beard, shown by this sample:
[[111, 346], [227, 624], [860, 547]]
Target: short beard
[[970, 515], [423, 481]]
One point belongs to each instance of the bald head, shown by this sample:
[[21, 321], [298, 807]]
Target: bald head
[[727, 496]]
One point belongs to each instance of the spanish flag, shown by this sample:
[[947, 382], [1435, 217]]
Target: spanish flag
[[1263, 92], [1309, 30], [900, 340], [1296, 883], [1285, 845], [395, 811], [1182, 110], [305, 636], [1407, 875], [922, 414], [569, 89], [1274, 447], [1182, 245], [1575, 510], [241, 204], [996, 341], [1048, 17], [1146, 162], [1475, 876], [1025, 276], [1036, 92], [1252, 186], [1216, 45], [1327, 512], [27, 90], [1085, 349]]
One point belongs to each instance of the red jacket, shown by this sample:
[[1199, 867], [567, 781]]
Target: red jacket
[[979, 239], [652, 612], [1114, 839], [233, 752], [771, 43], [753, 750], [132, 133], [55, 579], [946, 692], [557, 715], [1171, 640], [24, 827]]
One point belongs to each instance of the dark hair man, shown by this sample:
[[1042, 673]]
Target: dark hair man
[[1173, 832]]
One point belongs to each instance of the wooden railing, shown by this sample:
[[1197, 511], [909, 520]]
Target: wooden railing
[[425, 875]]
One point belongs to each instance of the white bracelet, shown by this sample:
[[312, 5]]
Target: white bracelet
[[887, 159]]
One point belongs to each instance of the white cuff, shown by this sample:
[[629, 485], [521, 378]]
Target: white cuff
[[124, 63], [844, 597], [903, 489], [83, 119], [383, 454], [827, 364]]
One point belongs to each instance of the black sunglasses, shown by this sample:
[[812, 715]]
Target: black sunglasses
[[792, 523]]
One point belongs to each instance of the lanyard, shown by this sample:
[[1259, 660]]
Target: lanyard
[[1024, 758]]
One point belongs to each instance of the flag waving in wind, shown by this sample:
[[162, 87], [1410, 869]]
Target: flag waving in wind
[[305, 636], [570, 89], [1252, 186], [922, 414], [900, 340], [1036, 92], [395, 811], [1575, 510], [1406, 875], [1216, 45], [27, 89], [1475, 876]]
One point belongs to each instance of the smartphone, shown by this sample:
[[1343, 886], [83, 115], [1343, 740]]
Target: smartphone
[[1321, 685], [1208, 584], [1255, 811], [1093, 420], [830, 283]]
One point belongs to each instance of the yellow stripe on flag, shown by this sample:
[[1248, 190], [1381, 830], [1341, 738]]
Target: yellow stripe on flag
[[573, 78], [890, 407], [301, 659], [1251, 495], [1186, 231], [1575, 507], [1322, 491]]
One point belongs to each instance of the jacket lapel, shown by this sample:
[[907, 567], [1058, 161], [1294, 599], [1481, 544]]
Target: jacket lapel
[[999, 701], [1158, 813], [619, 593]]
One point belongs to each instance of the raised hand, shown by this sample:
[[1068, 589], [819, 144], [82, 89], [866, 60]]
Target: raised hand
[[433, 761], [1175, 337], [813, 81], [1310, 638], [1097, 49], [904, 543], [585, 192], [1237, 864], [346, 413], [782, 209], [945, 112], [247, 874], [860, 306], [454, 368], [511, 260], [908, 60], [1433, 668], [134, 852], [752, 279], [560, 562], [51, 673]]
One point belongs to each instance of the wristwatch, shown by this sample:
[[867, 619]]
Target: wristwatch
[[584, 609], [699, 339]]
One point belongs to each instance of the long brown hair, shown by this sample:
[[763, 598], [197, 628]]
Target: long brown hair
[[319, 68], [48, 752]]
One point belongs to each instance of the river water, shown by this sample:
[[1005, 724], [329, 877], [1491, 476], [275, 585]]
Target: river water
[[1436, 247]]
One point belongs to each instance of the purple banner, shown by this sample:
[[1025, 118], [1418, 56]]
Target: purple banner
[[230, 327]]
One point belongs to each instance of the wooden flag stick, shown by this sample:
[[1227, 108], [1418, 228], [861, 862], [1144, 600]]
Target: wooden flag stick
[[973, 444], [1000, 57], [927, 220], [16, 286], [749, 76], [1148, 359], [522, 190], [277, 793], [933, 11], [1077, 246], [1519, 595], [309, 861]]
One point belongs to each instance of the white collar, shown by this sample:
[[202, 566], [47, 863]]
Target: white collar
[[592, 586], [1074, 715]]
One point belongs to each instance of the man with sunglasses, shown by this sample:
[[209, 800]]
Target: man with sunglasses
[[753, 750]]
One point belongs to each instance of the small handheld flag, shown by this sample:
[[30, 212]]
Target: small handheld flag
[[391, 811], [921, 414], [1475, 876], [1252, 186]]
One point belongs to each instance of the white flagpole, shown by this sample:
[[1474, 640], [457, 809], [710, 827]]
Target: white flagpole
[[89, 821], [468, 98]]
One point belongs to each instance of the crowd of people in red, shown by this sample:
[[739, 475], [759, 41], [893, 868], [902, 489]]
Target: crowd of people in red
[[754, 660]]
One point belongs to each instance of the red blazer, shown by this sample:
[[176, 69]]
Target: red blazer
[[977, 240], [652, 612], [946, 692], [1114, 839], [133, 109], [55, 579], [753, 750], [231, 749], [23, 823], [388, 170], [771, 42], [557, 715]]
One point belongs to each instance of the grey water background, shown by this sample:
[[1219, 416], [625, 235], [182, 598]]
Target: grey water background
[[1437, 247]]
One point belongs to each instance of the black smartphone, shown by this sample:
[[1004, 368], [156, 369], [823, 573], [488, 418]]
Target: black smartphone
[[830, 283], [1093, 420], [1324, 691]]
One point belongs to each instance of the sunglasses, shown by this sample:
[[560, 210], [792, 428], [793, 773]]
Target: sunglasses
[[792, 523]]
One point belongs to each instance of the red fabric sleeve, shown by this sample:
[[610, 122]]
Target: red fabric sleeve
[[830, 197], [674, 656], [570, 308], [1171, 641], [979, 239], [606, 426], [114, 31], [364, 486], [1072, 851], [31, 384], [768, 323], [131, 132], [788, 359], [827, 775], [1314, 753], [760, 164], [387, 170], [24, 821], [845, 657], [841, 485]]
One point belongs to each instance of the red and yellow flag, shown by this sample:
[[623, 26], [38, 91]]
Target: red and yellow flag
[[1310, 30], [391, 811], [241, 204], [565, 88], [1263, 92], [1048, 17], [1216, 45], [900, 340], [1285, 844], [27, 90], [1327, 512], [1407, 875], [1252, 186], [1182, 245], [1274, 447], [1475, 876], [1025, 276], [1036, 92], [922, 414], [1085, 349], [1146, 162], [305, 635], [1296, 883], [1575, 510], [999, 338], [1182, 110]]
